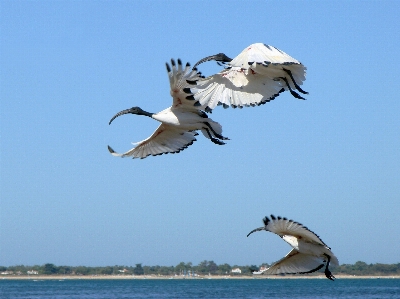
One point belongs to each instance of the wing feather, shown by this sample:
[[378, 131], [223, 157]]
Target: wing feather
[[166, 139], [283, 226], [296, 263], [178, 79]]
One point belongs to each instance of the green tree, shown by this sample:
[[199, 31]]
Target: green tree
[[107, 270], [82, 270], [138, 270], [224, 269], [49, 269]]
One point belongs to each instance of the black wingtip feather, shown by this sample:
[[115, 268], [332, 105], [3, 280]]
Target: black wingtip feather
[[168, 67], [266, 220]]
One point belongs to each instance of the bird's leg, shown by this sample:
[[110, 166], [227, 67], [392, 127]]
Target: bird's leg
[[295, 94], [215, 133], [215, 140], [294, 82], [328, 273]]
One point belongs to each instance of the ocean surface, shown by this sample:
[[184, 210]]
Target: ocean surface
[[201, 288]]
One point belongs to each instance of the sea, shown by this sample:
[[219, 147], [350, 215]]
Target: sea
[[201, 288]]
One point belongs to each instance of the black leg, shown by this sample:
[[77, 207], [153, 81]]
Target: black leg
[[215, 140], [295, 94], [294, 82], [328, 273], [215, 133]]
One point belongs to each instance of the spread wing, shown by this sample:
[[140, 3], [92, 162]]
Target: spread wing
[[256, 76], [296, 263], [166, 139], [179, 77], [283, 226]]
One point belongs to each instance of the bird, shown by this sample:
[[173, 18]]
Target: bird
[[309, 253], [256, 76]]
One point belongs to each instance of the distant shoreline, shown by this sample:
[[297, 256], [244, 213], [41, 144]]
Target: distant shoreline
[[133, 277]]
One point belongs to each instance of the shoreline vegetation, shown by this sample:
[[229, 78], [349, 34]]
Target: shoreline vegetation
[[152, 276], [205, 270]]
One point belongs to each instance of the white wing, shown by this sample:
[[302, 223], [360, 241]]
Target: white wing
[[178, 79], [256, 76], [295, 263], [166, 139], [283, 226]]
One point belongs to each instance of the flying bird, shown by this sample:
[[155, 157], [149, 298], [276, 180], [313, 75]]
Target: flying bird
[[256, 76], [309, 252]]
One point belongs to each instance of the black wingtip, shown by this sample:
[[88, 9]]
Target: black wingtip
[[179, 62], [168, 67], [173, 62], [110, 149], [266, 220], [191, 82]]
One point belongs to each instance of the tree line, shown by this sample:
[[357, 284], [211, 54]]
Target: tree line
[[187, 269]]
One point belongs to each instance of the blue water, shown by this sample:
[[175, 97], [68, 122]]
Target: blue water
[[206, 288]]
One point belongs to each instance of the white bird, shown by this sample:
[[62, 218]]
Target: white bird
[[256, 76], [309, 252], [178, 122]]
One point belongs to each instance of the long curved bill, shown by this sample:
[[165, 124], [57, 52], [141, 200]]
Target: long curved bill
[[126, 111], [256, 230], [221, 57]]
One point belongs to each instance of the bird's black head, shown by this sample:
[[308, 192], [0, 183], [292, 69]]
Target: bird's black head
[[133, 110]]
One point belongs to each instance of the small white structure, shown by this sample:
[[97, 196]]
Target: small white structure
[[32, 272], [236, 270]]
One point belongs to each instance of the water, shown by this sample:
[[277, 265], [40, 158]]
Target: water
[[205, 288]]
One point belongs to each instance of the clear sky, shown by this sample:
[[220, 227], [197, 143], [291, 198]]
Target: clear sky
[[331, 162]]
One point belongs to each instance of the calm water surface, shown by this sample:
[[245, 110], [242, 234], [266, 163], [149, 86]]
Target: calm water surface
[[206, 288]]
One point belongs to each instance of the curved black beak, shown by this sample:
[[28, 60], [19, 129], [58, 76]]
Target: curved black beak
[[126, 111], [256, 230]]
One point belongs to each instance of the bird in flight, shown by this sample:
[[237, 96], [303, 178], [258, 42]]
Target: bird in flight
[[309, 252], [256, 76]]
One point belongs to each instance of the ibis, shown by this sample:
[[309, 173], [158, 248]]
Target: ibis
[[256, 76], [309, 252]]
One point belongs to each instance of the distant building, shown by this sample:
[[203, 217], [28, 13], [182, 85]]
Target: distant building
[[32, 272], [263, 268], [236, 270], [7, 273], [123, 271]]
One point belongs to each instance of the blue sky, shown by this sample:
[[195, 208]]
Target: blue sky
[[331, 162]]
